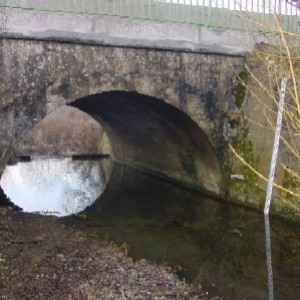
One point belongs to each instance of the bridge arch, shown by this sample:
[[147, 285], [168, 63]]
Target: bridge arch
[[41, 76], [151, 135]]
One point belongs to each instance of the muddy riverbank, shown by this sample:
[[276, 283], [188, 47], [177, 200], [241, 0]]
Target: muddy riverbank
[[42, 259]]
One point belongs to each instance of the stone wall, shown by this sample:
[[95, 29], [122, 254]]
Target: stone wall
[[40, 76]]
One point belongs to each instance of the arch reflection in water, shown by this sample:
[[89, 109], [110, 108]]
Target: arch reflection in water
[[54, 186]]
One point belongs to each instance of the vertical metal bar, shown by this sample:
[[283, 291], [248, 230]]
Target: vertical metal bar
[[251, 14], [234, 15], [222, 16], [75, 6], [134, 11], [291, 17], [121, 8], [136, 3], [264, 12], [130, 9], [197, 12], [260, 16], [168, 15], [214, 13], [276, 145], [83, 6], [191, 12], [209, 13], [242, 17], [89, 6], [183, 11], [228, 18], [143, 9], [286, 12], [242, 20], [177, 11], [98, 7], [279, 12], [150, 9], [204, 17]]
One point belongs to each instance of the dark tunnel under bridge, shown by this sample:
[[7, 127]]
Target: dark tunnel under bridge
[[155, 137]]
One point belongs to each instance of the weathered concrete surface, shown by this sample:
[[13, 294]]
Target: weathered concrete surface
[[37, 77], [117, 31]]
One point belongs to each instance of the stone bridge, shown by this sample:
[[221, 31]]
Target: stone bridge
[[164, 93]]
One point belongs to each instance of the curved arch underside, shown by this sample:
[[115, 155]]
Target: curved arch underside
[[156, 137]]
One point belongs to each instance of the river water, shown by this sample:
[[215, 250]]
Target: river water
[[220, 245]]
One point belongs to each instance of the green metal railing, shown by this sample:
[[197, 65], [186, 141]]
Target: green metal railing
[[257, 15]]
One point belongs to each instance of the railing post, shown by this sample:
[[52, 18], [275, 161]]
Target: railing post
[[190, 12], [209, 13], [83, 8], [150, 9], [264, 12]]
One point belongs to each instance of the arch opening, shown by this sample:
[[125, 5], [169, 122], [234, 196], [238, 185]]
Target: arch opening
[[64, 132], [153, 136], [52, 171]]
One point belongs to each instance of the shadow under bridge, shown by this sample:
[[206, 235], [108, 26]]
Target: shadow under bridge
[[151, 135]]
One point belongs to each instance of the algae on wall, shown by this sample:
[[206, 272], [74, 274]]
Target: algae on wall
[[243, 183], [257, 103]]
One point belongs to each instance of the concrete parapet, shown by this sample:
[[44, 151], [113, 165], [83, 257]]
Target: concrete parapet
[[117, 31]]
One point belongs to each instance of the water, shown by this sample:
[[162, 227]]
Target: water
[[54, 186], [215, 243]]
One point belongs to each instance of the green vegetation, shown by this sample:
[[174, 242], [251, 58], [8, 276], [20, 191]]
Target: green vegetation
[[240, 88], [245, 148], [249, 184], [259, 87]]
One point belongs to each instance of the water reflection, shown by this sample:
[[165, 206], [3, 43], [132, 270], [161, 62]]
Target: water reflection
[[220, 245], [54, 186], [269, 256]]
